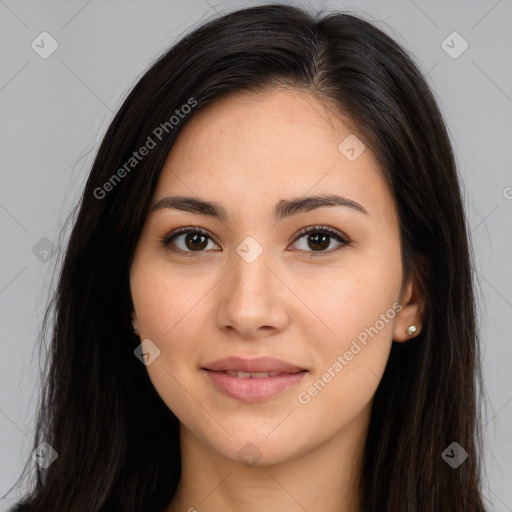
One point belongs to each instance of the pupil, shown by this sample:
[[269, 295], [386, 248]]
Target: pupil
[[192, 240], [319, 239], [197, 241]]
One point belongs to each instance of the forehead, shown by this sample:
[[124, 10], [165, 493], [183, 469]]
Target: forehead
[[252, 147], [270, 122]]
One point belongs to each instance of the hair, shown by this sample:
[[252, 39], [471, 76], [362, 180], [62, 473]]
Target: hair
[[98, 404]]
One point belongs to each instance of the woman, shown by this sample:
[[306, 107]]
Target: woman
[[266, 301]]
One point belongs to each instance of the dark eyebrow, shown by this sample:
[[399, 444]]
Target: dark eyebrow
[[191, 204], [284, 208]]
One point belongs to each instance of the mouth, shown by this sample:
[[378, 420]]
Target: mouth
[[259, 367], [253, 380], [256, 375]]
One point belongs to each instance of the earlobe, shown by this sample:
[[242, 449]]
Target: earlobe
[[134, 324], [411, 330], [409, 320]]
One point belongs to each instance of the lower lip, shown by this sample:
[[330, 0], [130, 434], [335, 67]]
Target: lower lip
[[253, 389]]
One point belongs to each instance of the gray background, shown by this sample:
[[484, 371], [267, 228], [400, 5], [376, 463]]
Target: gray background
[[54, 112]]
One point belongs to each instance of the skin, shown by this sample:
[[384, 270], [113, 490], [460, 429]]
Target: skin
[[263, 148]]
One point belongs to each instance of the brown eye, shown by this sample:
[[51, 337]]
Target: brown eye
[[187, 240], [318, 239], [196, 241]]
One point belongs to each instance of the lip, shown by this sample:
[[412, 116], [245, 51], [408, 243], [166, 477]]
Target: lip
[[258, 364], [253, 389]]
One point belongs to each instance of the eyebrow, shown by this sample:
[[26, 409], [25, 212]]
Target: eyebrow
[[283, 208]]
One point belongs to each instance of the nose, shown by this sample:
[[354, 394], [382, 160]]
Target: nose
[[252, 299]]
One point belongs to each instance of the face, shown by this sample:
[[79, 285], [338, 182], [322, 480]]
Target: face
[[244, 280]]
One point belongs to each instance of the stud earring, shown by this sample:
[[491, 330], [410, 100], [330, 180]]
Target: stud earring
[[411, 330]]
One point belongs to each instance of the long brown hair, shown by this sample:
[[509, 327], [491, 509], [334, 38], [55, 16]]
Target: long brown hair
[[98, 403]]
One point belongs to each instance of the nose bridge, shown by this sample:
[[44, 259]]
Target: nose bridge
[[252, 278], [252, 296]]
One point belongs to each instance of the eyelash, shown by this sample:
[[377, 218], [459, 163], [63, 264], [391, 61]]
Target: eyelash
[[333, 233]]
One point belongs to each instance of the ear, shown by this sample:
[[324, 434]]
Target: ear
[[135, 322], [413, 303]]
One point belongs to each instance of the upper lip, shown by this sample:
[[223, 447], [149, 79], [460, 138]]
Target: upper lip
[[259, 364]]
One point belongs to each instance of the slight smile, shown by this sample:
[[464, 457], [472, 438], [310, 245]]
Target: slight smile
[[253, 380]]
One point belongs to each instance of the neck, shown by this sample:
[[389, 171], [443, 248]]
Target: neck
[[324, 478]]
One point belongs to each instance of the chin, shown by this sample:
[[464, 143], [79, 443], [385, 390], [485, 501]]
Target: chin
[[255, 450]]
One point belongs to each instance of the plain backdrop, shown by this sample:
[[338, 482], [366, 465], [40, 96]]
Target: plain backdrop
[[55, 109]]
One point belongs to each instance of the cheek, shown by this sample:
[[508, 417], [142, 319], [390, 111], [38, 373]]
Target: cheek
[[343, 304], [170, 314], [165, 301], [353, 340], [348, 369]]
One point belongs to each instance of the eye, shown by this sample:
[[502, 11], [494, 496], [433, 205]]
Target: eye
[[319, 239], [187, 239]]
